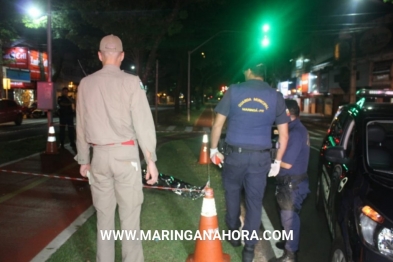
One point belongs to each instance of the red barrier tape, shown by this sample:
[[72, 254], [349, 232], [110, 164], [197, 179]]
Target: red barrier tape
[[86, 180]]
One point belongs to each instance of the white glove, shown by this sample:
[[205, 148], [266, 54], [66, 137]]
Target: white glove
[[275, 168], [216, 157]]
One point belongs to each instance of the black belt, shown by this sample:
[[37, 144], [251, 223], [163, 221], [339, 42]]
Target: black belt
[[291, 179], [245, 150]]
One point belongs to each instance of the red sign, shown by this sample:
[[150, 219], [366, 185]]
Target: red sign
[[38, 65], [16, 57], [22, 85], [304, 83]]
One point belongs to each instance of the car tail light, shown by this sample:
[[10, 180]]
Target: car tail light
[[371, 213]]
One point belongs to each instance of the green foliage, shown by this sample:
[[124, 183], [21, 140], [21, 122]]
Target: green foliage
[[141, 24], [35, 23]]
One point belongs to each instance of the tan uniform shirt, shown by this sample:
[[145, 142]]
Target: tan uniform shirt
[[113, 108]]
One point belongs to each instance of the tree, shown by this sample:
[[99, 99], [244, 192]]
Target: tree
[[141, 24], [7, 32]]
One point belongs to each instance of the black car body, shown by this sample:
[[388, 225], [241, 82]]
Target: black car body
[[355, 181]]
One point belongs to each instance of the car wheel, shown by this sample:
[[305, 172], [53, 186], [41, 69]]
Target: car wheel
[[338, 251], [319, 194], [18, 120]]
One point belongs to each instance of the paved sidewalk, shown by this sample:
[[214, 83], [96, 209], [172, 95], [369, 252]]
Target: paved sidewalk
[[35, 209]]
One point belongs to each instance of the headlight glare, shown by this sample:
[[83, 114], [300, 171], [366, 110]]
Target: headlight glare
[[367, 226], [385, 242]]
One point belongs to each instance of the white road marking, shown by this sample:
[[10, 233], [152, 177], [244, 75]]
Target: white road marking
[[315, 148], [171, 128], [17, 160], [267, 225], [188, 129], [206, 129], [317, 133], [57, 242]]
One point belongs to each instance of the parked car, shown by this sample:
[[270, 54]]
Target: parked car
[[355, 179], [10, 111]]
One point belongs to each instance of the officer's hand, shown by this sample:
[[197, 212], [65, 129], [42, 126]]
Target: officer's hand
[[275, 168], [151, 173], [83, 170], [216, 157]]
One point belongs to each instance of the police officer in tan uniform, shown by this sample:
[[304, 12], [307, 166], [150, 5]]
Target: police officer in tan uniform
[[114, 117]]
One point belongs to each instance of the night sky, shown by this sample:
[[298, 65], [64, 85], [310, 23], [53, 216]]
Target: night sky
[[296, 25]]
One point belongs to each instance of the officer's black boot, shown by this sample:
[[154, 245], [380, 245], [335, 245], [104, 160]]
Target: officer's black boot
[[234, 238], [288, 256], [248, 253], [281, 245]]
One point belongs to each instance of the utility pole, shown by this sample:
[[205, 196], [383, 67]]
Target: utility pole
[[49, 52]]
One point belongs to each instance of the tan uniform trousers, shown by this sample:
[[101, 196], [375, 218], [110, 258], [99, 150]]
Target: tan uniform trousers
[[117, 179]]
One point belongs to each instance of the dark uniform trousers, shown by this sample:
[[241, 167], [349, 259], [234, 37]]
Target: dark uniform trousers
[[290, 193], [248, 170], [67, 120], [116, 179]]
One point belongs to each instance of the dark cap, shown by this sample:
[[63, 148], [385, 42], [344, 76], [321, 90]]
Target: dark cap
[[292, 106]]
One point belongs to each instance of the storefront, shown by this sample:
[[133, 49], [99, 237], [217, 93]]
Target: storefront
[[24, 67]]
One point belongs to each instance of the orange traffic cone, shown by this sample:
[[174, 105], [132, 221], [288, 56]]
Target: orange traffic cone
[[51, 146], [208, 249], [204, 157]]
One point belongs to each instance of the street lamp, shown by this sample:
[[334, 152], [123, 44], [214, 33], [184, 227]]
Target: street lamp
[[34, 12]]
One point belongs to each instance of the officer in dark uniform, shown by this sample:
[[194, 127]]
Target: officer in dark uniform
[[251, 108], [292, 180], [66, 116]]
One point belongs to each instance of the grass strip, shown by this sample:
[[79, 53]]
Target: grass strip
[[162, 210], [170, 117]]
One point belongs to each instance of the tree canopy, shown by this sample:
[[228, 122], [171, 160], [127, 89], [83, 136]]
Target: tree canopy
[[141, 24]]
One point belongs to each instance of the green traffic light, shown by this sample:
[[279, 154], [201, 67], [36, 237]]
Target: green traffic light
[[265, 41], [265, 28]]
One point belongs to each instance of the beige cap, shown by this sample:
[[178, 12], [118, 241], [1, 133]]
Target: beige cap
[[111, 43]]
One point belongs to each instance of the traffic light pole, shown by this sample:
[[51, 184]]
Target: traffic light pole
[[189, 68]]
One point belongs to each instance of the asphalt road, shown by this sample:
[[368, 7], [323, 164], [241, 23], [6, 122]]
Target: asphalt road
[[31, 127]]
